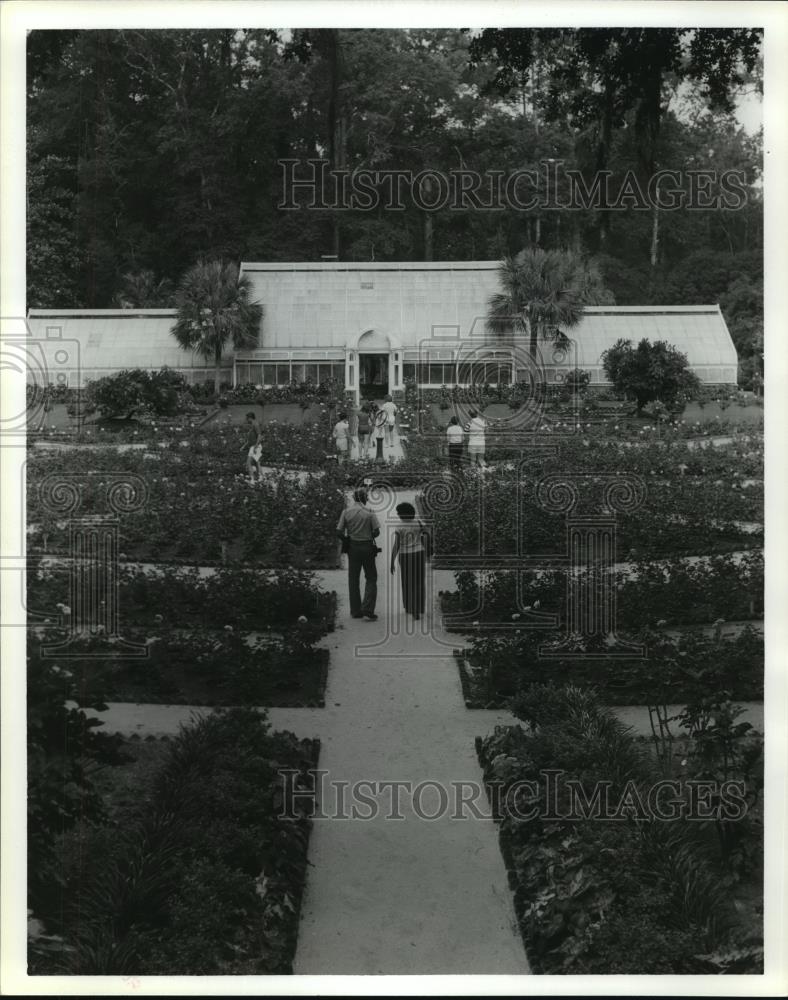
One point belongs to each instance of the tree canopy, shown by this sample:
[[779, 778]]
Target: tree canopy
[[149, 150]]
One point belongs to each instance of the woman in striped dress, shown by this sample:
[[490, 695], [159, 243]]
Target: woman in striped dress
[[409, 546]]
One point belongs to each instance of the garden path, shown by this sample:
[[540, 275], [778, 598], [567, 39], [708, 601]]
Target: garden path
[[391, 452], [166, 720], [412, 895], [389, 896], [394, 896]]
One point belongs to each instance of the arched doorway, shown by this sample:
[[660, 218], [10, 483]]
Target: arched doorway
[[374, 350]]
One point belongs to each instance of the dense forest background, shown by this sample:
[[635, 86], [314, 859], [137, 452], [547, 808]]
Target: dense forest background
[[150, 149]]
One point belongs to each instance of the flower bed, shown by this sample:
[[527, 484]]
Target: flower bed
[[650, 892], [193, 872], [582, 448], [671, 594], [286, 601], [195, 668], [586, 416], [195, 511], [497, 667], [673, 519], [233, 638]]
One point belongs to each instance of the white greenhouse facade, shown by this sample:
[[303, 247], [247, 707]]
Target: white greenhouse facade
[[375, 326]]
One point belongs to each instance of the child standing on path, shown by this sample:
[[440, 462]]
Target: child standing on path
[[341, 435], [253, 447]]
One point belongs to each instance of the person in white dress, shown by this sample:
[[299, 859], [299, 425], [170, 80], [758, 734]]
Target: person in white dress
[[475, 429]]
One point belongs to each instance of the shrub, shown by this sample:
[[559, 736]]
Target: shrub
[[657, 371], [581, 881], [577, 380], [63, 748], [199, 874], [137, 391]]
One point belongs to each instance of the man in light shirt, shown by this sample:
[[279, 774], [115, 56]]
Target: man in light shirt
[[476, 439], [361, 527]]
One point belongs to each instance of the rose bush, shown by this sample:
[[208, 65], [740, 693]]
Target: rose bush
[[197, 667], [674, 670], [196, 511], [673, 593]]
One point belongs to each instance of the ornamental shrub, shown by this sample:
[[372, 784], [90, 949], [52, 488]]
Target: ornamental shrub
[[649, 372], [136, 391]]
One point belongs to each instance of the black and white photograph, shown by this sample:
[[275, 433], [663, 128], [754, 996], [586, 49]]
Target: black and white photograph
[[392, 423]]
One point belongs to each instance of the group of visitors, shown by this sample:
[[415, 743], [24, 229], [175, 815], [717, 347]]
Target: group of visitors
[[366, 428], [358, 529]]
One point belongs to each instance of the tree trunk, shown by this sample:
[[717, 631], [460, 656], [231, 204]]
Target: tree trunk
[[217, 376], [603, 155], [427, 226], [336, 124], [654, 235], [647, 124]]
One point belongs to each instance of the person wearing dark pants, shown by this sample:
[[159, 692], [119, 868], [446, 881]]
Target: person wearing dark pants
[[409, 545], [360, 527], [380, 431]]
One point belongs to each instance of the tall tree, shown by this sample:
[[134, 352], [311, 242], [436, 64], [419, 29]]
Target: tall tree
[[214, 312], [605, 73]]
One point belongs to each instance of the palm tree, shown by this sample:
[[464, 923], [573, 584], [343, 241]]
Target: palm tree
[[544, 292], [214, 310], [141, 290]]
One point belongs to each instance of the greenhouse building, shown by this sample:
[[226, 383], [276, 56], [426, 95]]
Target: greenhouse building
[[375, 326]]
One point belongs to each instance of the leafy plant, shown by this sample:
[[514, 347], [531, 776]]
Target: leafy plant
[[657, 371], [203, 876], [637, 895]]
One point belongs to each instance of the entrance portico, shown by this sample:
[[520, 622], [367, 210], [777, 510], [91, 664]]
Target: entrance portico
[[373, 365]]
